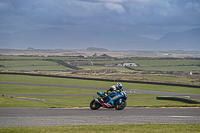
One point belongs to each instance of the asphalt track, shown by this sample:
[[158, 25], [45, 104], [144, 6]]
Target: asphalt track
[[17, 117]]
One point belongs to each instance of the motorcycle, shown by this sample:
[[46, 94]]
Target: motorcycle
[[113, 100]]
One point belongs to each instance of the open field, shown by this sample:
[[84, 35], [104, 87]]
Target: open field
[[94, 83], [138, 60], [140, 128], [172, 70], [158, 78], [32, 65], [76, 52], [164, 68], [134, 100]]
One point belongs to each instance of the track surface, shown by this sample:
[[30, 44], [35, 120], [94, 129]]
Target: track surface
[[15, 117]]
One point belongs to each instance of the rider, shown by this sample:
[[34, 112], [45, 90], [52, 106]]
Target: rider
[[117, 88], [114, 88]]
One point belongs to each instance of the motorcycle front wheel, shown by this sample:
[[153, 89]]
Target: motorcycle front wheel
[[120, 106], [94, 105]]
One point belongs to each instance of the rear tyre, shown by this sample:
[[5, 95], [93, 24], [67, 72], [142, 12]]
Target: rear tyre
[[95, 105], [120, 106]]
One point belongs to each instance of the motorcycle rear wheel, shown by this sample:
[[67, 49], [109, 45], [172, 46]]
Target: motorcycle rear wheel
[[95, 105], [120, 106]]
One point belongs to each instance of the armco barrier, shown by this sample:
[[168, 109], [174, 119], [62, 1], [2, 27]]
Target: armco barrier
[[110, 80], [178, 98]]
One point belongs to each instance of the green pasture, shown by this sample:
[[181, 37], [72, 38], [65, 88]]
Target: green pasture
[[27, 63], [134, 100], [111, 61], [32, 65], [23, 89], [166, 62], [170, 68], [94, 83], [50, 101], [129, 128], [152, 62], [144, 100], [37, 68], [35, 57], [121, 69], [145, 77], [141, 61]]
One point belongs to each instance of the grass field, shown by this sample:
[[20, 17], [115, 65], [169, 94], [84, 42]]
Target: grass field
[[94, 83], [175, 62], [174, 68], [169, 68], [134, 100], [32, 65], [155, 78], [120, 69], [148, 62]]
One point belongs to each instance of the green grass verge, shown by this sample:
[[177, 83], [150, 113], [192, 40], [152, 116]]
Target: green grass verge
[[134, 100], [138, 128], [94, 83], [50, 102], [149, 100], [23, 89]]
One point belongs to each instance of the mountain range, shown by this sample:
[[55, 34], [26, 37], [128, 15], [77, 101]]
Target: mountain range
[[59, 38]]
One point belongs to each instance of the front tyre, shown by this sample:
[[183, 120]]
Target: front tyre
[[120, 106], [94, 105]]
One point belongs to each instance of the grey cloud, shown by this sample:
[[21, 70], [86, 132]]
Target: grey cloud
[[116, 7], [19, 14]]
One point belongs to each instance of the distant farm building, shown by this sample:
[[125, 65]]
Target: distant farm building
[[128, 64]]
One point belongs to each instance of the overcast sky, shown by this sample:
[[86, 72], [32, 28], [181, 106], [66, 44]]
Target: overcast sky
[[151, 18]]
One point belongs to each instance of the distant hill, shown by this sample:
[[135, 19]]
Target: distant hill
[[188, 40], [189, 36], [97, 49], [59, 38]]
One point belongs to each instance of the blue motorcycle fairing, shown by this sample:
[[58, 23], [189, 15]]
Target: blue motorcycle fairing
[[100, 94], [115, 96]]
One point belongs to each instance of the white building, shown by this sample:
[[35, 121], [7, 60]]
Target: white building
[[127, 64]]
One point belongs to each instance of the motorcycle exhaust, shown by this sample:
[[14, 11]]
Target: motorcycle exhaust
[[96, 99]]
